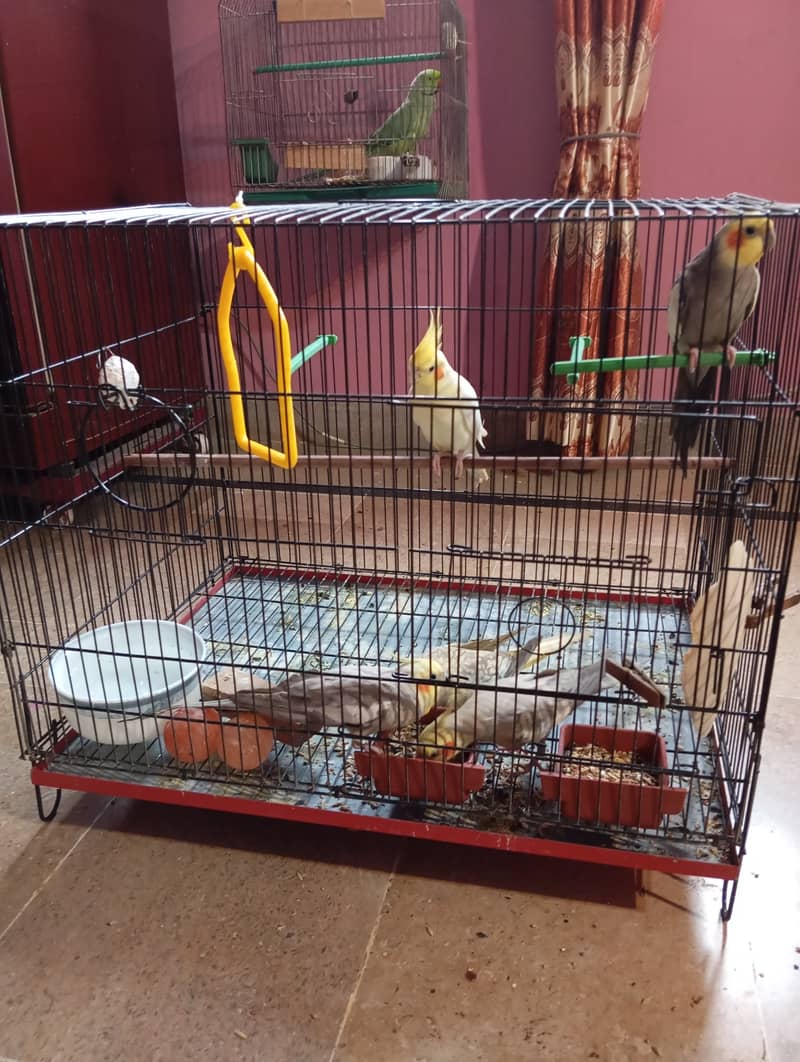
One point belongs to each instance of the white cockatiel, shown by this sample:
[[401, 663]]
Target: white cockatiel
[[448, 414]]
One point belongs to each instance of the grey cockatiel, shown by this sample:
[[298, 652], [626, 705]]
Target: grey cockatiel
[[304, 703], [511, 716], [411, 121], [708, 304]]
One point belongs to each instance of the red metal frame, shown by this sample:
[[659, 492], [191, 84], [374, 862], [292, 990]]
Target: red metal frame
[[43, 775], [503, 842], [421, 582]]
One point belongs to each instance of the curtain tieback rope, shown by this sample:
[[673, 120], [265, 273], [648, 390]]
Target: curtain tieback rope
[[598, 136]]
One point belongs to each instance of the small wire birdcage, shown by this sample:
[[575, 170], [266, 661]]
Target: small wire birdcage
[[335, 100]]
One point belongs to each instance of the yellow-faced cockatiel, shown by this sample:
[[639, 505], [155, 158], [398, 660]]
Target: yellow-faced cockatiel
[[450, 417], [513, 715], [708, 304], [482, 663]]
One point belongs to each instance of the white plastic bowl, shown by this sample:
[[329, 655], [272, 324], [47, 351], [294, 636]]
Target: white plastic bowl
[[111, 728], [112, 679]]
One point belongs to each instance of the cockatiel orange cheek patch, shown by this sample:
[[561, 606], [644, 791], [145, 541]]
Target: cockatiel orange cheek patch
[[733, 239]]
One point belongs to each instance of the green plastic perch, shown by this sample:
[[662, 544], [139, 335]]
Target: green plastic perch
[[307, 353], [338, 64], [576, 364]]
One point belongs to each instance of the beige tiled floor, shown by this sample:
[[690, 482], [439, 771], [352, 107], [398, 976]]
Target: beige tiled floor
[[137, 932]]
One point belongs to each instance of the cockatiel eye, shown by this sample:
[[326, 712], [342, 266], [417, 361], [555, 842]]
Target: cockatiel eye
[[750, 230]]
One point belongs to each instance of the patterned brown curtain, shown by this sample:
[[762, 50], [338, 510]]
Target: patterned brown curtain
[[604, 56]]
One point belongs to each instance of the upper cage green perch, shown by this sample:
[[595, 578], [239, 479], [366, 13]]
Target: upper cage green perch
[[307, 353], [338, 64], [576, 364]]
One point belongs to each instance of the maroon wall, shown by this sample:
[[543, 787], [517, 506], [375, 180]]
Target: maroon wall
[[91, 118], [89, 94]]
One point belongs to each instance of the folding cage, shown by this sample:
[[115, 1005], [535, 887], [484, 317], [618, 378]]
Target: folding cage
[[566, 650]]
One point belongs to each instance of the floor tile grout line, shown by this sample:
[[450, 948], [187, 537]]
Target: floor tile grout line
[[367, 953], [765, 1055], [39, 889]]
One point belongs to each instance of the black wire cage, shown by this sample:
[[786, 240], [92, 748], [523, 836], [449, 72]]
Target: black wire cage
[[312, 90], [565, 648]]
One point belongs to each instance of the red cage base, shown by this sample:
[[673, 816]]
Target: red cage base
[[558, 838]]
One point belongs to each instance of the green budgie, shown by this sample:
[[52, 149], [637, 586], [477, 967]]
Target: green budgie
[[410, 122]]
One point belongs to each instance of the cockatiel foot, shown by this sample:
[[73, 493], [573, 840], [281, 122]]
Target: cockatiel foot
[[480, 475], [694, 359], [730, 356], [436, 466]]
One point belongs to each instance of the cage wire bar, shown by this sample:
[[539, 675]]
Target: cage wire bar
[[547, 613]]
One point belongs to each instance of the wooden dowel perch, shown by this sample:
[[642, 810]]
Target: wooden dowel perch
[[364, 461]]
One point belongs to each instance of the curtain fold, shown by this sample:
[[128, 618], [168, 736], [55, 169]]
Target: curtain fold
[[591, 280]]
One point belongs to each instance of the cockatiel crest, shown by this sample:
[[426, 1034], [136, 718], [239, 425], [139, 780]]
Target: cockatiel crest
[[428, 362]]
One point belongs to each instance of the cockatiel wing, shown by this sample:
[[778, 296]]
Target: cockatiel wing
[[369, 702], [457, 425], [756, 289], [676, 311], [467, 420]]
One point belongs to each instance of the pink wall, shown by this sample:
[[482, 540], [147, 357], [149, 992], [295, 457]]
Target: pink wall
[[513, 121], [722, 100], [724, 97], [200, 91]]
